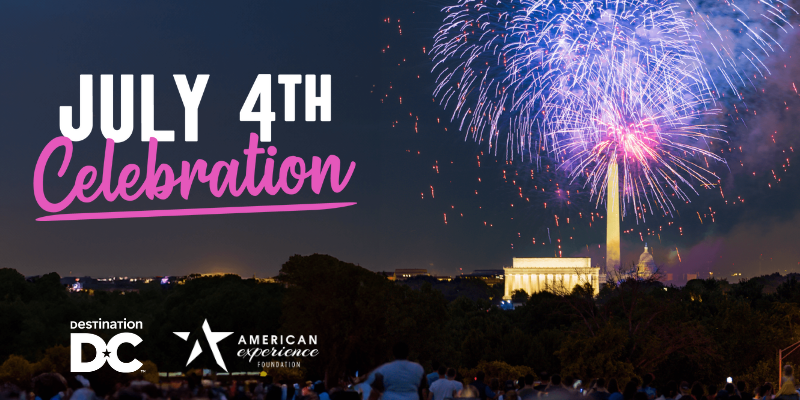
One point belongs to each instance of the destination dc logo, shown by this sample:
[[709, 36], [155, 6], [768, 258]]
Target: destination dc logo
[[104, 352]]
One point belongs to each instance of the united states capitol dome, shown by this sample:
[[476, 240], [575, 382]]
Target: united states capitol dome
[[646, 265]]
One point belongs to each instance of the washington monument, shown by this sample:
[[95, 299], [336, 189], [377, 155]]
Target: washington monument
[[612, 215]]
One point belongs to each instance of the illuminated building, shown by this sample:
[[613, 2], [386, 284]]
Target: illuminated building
[[646, 265], [403, 274], [548, 274]]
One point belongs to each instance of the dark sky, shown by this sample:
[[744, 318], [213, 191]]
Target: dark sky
[[374, 53]]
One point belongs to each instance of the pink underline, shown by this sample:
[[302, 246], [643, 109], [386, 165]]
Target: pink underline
[[193, 211]]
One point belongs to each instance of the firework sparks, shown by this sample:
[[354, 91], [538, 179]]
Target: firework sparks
[[587, 83]]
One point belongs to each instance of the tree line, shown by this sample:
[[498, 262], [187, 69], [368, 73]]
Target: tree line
[[706, 330]]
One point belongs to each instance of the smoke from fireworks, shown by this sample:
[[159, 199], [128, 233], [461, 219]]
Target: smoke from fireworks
[[588, 83]]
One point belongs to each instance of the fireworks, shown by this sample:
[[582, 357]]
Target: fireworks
[[590, 83]]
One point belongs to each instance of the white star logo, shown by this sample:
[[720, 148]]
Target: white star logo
[[213, 338]]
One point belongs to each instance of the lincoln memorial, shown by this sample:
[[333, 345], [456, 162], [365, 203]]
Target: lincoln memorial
[[538, 274]]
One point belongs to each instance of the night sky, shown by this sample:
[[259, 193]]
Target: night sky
[[413, 173]]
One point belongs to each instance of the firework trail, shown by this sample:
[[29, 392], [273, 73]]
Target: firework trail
[[589, 83]]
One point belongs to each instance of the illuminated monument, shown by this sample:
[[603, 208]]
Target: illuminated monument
[[539, 274], [646, 265], [612, 219]]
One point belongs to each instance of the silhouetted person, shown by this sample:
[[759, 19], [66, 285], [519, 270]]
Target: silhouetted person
[[402, 379], [527, 392], [48, 386], [484, 392]]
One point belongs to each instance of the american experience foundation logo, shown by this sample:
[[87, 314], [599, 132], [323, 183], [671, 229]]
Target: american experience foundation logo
[[159, 181], [282, 351], [104, 352]]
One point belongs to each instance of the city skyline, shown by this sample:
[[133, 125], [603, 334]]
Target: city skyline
[[414, 179]]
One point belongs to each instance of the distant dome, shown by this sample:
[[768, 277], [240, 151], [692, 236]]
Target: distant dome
[[646, 265]]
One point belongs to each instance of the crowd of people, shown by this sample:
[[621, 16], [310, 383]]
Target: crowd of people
[[402, 379]]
